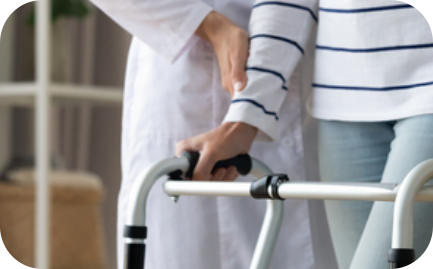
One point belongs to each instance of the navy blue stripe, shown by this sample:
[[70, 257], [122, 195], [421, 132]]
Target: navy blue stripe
[[278, 3], [361, 88], [379, 49], [280, 38], [275, 73], [253, 102], [361, 10]]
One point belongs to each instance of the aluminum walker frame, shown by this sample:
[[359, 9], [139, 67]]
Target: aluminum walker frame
[[274, 189]]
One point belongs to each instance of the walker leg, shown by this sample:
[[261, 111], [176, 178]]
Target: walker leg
[[402, 252], [400, 257], [134, 255], [135, 246], [268, 235]]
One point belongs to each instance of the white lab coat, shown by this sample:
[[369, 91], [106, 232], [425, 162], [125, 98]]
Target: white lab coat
[[173, 91]]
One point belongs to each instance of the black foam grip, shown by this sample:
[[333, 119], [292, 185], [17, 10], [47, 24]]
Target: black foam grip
[[134, 255], [242, 163]]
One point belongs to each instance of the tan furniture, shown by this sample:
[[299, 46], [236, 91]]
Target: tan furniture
[[76, 225]]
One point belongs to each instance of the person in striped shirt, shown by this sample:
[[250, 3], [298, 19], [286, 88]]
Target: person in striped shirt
[[372, 95]]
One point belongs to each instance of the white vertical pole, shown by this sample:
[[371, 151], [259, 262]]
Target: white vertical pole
[[42, 108], [86, 76]]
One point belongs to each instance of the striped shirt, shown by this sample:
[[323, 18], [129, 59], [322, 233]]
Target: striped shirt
[[373, 61]]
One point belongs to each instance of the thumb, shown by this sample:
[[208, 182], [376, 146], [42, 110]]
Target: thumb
[[238, 73], [239, 78]]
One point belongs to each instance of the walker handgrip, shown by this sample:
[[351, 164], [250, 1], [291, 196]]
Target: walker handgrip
[[242, 163]]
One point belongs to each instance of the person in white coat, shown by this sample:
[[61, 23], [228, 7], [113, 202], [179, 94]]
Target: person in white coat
[[173, 90]]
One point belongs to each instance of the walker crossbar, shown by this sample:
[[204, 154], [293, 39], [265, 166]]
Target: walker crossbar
[[412, 188], [297, 190]]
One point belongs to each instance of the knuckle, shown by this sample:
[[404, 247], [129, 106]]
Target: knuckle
[[181, 145], [211, 154]]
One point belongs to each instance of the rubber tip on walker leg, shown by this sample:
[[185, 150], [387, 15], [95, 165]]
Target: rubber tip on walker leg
[[134, 255], [400, 257]]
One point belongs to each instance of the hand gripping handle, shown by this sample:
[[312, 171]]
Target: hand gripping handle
[[242, 163]]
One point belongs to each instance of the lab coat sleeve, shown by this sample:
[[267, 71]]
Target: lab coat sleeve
[[279, 31], [167, 26]]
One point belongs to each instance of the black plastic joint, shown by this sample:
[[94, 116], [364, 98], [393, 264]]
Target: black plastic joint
[[135, 232], [259, 188], [400, 257]]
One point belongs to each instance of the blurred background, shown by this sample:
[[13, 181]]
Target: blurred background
[[87, 48]]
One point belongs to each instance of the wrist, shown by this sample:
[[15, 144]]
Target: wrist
[[213, 26], [246, 131]]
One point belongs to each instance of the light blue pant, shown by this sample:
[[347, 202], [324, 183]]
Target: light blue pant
[[372, 152]]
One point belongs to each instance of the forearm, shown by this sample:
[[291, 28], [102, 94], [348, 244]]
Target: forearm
[[213, 26], [278, 34], [230, 44]]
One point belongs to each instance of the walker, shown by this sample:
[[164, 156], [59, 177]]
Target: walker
[[274, 188]]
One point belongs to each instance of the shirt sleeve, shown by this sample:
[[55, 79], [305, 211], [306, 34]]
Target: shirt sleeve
[[167, 26], [279, 31]]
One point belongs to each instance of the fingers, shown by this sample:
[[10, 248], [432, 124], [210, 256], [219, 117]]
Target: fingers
[[225, 66], [231, 174], [232, 58], [239, 62], [204, 166], [186, 145], [221, 143], [225, 174], [181, 146], [239, 76], [219, 175]]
